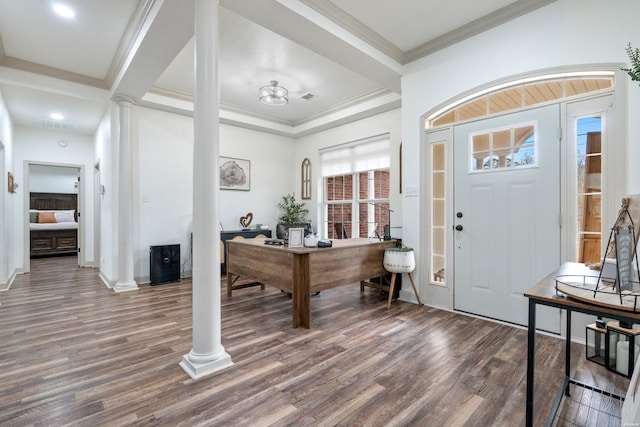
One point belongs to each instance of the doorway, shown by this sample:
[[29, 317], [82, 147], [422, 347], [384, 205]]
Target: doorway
[[507, 212], [56, 190]]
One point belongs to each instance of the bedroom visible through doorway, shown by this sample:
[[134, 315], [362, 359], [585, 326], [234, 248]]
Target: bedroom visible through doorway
[[53, 213]]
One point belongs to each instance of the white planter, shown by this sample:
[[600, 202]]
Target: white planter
[[398, 261]]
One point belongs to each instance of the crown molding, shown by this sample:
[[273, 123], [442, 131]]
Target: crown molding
[[357, 28], [499, 17], [132, 30], [345, 105], [31, 67]]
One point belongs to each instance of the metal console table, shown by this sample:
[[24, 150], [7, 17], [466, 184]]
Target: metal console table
[[544, 293]]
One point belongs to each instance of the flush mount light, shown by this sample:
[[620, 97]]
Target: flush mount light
[[56, 116], [273, 94], [62, 143], [64, 10]]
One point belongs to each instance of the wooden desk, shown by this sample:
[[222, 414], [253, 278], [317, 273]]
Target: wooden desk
[[544, 293], [303, 271]]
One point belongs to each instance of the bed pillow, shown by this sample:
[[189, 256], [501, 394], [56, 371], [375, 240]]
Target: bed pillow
[[64, 216], [46, 217], [33, 216]]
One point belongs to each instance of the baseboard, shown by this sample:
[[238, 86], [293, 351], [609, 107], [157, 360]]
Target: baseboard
[[7, 285]]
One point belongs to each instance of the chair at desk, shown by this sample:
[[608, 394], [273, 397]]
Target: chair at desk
[[341, 231], [231, 286]]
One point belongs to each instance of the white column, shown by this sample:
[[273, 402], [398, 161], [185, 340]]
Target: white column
[[125, 199], [207, 355]]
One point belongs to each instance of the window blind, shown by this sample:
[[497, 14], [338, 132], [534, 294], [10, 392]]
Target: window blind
[[359, 156]]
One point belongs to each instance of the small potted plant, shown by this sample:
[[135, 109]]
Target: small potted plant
[[293, 214]]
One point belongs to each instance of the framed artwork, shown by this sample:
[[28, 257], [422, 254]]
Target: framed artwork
[[296, 237], [235, 174], [306, 179]]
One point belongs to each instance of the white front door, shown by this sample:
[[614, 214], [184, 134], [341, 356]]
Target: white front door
[[506, 213]]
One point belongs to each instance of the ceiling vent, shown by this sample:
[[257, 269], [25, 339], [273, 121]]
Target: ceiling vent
[[308, 97], [48, 124]]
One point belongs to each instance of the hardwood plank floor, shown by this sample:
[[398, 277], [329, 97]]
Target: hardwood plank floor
[[75, 353]]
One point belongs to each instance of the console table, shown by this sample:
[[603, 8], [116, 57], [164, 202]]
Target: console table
[[303, 271], [544, 293], [231, 234]]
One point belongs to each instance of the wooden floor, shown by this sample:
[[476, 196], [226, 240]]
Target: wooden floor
[[72, 352]]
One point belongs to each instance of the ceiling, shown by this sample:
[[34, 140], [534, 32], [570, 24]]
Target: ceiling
[[347, 55]]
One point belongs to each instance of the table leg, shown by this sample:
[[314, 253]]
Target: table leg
[[301, 295], [531, 356], [392, 287], [567, 352]]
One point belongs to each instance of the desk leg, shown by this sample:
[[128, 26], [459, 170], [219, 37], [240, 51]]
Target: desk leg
[[301, 295], [531, 359]]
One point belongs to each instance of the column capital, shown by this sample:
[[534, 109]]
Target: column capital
[[122, 99]]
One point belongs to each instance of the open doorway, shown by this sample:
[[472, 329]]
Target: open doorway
[[53, 228]]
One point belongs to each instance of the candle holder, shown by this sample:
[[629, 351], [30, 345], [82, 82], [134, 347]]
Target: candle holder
[[622, 348], [595, 347]]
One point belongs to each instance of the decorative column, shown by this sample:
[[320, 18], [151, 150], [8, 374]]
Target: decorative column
[[207, 355], [125, 199]]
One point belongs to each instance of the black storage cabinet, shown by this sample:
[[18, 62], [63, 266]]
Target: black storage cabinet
[[164, 264]]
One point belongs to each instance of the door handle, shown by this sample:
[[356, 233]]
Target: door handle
[[459, 227]]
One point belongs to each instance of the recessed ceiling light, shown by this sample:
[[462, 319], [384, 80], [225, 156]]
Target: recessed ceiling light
[[63, 10], [56, 116]]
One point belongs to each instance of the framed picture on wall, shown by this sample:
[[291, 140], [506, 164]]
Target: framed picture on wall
[[235, 174]]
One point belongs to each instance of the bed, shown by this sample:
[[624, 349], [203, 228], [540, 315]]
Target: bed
[[53, 224]]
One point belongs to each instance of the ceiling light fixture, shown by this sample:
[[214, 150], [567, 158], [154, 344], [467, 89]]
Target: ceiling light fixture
[[64, 10], [56, 116], [273, 94]]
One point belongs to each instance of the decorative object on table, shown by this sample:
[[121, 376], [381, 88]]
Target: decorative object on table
[[400, 260], [616, 284], [325, 243], [245, 221], [622, 348], [634, 57], [235, 174], [296, 237], [305, 193], [311, 241], [293, 214]]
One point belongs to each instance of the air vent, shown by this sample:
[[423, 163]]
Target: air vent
[[308, 97], [56, 125]]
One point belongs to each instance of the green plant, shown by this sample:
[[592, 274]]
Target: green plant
[[634, 57], [291, 211], [403, 248]]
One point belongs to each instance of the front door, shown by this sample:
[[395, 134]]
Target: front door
[[506, 213]]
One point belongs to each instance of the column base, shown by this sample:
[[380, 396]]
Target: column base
[[200, 369], [125, 286]]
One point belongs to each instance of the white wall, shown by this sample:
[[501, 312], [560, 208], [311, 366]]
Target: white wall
[[52, 179], [309, 146], [38, 145], [7, 200], [105, 154], [163, 181], [563, 34]]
